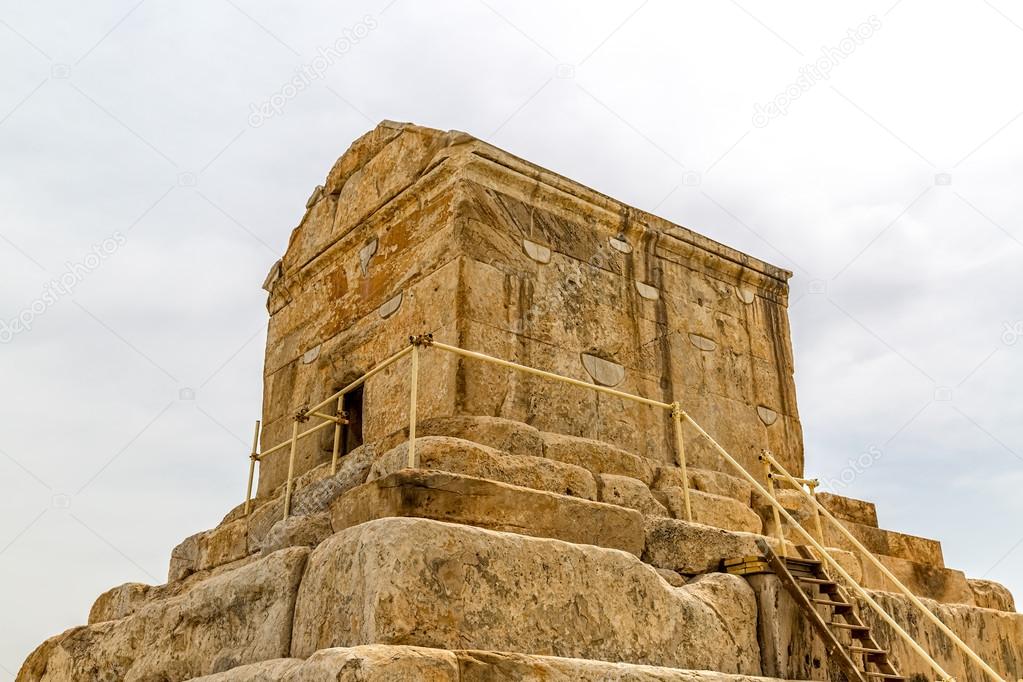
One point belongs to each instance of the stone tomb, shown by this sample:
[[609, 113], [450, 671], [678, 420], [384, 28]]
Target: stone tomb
[[418, 231], [541, 537]]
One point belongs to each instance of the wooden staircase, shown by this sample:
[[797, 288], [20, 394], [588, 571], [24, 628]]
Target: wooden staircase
[[805, 579]]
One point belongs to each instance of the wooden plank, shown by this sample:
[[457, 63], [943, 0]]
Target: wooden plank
[[831, 643]]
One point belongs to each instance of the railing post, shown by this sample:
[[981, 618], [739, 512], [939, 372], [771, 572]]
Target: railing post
[[253, 458], [770, 491], [812, 485], [676, 416], [867, 554], [416, 341], [300, 417], [337, 433]]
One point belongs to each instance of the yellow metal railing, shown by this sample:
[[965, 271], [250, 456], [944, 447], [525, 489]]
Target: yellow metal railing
[[678, 415], [821, 510]]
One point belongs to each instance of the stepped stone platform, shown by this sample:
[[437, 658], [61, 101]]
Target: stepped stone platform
[[541, 535]]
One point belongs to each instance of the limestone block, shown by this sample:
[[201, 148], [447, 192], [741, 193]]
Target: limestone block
[[797, 505], [488, 504], [673, 578], [394, 167], [994, 635], [317, 489], [118, 602], [597, 457], [297, 531], [625, 491], [184, 558], [849, 509], [710, 510], [991, 595], [431, 584], [238, 617], [223, 544], [890, 543], [708, 481], [693, 548], [510, 436], [945, 585], [789, 646], [486, 666], [390, 663], [464, 457], [262, 518], [723, 512]]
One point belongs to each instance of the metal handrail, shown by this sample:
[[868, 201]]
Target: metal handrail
[[678, 416], [307, 413], [822, 510]]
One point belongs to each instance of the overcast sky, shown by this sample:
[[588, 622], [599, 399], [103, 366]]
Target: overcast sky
[[153, 163]]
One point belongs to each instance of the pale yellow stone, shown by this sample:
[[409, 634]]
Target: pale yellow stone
[[488, 504], [237, 617], [464, 457], [430, 584], [597, 457], [629, 492]]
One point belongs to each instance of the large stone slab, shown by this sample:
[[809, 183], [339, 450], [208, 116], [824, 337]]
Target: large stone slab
[[924, 580], [459, 456], [693, 548], [849, 508], [707, 481], [994, 635], [388, 663], [236, 617], [488, 504], [991, 595], [711, 510], [502, 434], [419, 582], [598, 457], [890, 543]]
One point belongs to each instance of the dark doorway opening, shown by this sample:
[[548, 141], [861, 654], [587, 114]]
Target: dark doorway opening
[[351, 433]]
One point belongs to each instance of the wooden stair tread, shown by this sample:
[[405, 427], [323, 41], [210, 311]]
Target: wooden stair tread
[[885, 676], [816, 581], [831, 602], [848, 626], [867, 650]]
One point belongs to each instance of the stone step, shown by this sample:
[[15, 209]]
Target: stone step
[[453, 498], [924, 580], [460, 456], [849, 509], [426, 583], [390, 663], [889, 543]]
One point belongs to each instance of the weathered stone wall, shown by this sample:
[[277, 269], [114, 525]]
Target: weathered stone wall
[[421, 231]]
